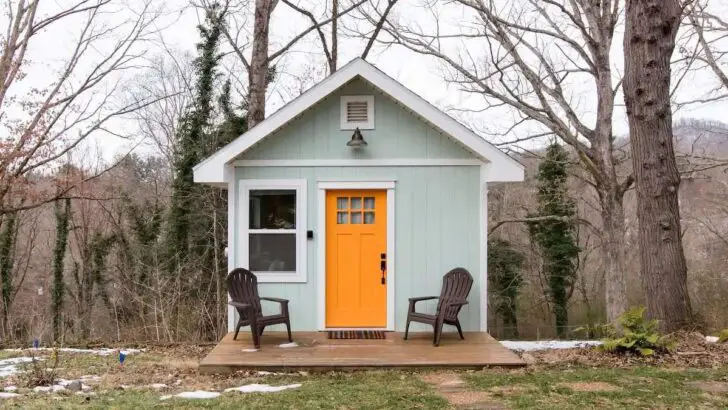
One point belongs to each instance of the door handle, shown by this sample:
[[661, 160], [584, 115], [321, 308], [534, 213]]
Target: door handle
[[383, 267]]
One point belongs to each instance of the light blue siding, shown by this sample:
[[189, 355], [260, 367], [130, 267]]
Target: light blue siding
[[316, 134], [437, 228]]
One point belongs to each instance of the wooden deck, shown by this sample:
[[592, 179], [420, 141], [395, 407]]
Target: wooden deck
[[316, 352]]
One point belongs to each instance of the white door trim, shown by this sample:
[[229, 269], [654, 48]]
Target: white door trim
[[321, 245]]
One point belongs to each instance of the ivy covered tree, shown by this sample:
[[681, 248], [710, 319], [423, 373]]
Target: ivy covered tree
[[554, 232], [196, 225], [193, 131], [63, 217], [505, 264]]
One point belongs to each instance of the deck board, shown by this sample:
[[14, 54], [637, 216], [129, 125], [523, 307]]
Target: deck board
[[316, 352]]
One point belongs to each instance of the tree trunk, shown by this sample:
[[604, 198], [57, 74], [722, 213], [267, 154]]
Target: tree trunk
[[615, 267], [334, 36], [259, 64], [651, 27]]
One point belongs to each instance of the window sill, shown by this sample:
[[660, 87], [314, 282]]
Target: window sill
[[280, 277]]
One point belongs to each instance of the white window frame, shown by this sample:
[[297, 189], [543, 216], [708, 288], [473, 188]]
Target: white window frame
[[300, 186], [346, 125]]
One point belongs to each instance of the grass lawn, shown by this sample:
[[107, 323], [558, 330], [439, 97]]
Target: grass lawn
[[558, 386]]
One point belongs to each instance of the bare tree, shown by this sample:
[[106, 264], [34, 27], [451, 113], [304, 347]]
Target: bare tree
[[541, 59], [710, 30], [46, 112], [649, 41]]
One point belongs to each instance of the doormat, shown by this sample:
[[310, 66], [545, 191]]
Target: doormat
[[356, 334]]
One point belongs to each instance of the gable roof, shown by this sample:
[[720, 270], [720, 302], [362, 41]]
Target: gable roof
[[502, 167]]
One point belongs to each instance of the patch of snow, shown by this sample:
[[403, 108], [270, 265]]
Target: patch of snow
[[8, 367], [10, 388], [6, 395], [712, 339], [48, 389], [199, 394], [101, 352], [158, 386], [265, 373], [262, 388], [250, 350], [530, 346], [287, 345]]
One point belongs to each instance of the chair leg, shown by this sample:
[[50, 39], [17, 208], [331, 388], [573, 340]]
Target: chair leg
[[406, 329], [288, 327], [237, 330], [460, 330], [438, 331]]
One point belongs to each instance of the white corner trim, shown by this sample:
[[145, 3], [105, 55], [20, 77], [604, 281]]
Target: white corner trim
[[231, 248], [210, 170], [345, 124], [321, 247], [384, 162], [483, 216], [301, 188]]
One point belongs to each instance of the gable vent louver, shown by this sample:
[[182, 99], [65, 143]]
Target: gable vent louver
[[357, 111]]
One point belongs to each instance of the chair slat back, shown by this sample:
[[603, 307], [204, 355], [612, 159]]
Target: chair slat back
[[243, 288], [456, 286]]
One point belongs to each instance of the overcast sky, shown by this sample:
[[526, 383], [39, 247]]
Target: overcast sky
[[304, 64]]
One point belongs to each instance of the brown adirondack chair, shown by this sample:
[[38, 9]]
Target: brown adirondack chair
[[456, 286], [243, 288]]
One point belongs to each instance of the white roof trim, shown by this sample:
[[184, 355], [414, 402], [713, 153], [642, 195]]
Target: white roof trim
[[502, 167]]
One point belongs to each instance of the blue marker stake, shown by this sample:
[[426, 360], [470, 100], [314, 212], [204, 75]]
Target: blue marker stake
[[36, 343], [122, 357]]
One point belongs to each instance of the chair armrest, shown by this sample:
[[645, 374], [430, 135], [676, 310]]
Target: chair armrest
[[455, 302], [423, 298], [240, 305], [278, 300]]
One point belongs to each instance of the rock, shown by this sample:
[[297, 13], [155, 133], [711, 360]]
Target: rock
[[529, 358], [75, 386]]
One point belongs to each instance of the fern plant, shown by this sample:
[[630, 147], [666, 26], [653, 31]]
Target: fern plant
[[638, 335]]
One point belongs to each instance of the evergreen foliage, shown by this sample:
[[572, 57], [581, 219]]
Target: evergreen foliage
[[505, 278], [555, 237]]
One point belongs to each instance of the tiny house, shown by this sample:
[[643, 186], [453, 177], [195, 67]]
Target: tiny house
[[356, 196]]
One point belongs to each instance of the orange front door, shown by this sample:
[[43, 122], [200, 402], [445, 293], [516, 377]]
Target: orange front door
[[356, 246]]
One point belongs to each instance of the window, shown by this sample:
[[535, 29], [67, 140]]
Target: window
[[357, 111], [355, 210], [273, 234]]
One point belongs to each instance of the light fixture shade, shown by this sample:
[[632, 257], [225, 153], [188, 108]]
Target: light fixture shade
[[357, 140]]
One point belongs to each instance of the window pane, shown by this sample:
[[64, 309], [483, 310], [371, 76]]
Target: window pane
[[342, 218], [272, 252], [369, 203], [272, 209], [356, 217], [355, 203], [342, 203], [368, 217]]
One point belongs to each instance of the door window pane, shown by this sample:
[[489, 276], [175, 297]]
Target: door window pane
[[272, 252], [342, 203], [356, 217], [355, 203], [369, 203], [369, 218], [272, 209], [342, 218]]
